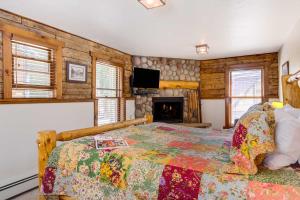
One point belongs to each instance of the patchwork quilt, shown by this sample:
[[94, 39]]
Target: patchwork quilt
[[162, 161]]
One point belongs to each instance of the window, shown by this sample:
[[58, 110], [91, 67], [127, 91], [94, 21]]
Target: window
[[33, 69], [32, 65], [246, 89], [108, 93]]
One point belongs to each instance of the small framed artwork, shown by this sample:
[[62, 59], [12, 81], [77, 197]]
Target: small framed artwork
[[286, 68], [76, 73]]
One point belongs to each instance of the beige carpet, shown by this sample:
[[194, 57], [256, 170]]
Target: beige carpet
[[31, 195]]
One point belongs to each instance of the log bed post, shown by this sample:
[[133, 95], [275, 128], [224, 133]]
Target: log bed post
[[47, 140], [46, 143]]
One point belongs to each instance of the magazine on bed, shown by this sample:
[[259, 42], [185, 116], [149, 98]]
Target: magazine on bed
[[103, 142]]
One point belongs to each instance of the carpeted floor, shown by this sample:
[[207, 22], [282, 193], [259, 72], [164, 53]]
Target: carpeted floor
[[30, 195]]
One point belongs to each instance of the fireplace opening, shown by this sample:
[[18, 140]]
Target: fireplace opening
[[167, 109]]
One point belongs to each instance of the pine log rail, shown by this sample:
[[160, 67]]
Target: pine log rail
[[179, 85], [47, 142]]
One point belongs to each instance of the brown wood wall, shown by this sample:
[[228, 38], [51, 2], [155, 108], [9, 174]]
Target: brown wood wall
[[76, 49], [212, 74]]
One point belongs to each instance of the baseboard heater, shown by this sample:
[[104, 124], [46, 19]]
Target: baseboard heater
[[18, 187]]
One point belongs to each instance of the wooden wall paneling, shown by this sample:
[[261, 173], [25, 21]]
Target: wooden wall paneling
[[74, 48], [30, 36], [212, 70]]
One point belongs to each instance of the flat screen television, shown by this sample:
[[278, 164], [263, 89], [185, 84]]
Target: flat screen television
[[145, 78]]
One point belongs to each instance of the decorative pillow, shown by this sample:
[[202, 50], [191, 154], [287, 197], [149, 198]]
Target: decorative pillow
[[261, 107], [253, 138]]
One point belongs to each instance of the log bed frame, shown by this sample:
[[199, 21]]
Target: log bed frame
[[47, 139], [47, 142]]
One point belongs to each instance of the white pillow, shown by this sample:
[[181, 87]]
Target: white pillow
[[276, 161], [287, 138], [281, 114], [291, 110]]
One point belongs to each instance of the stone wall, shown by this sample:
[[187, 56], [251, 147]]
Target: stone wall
[[170, 69], [76, 49]]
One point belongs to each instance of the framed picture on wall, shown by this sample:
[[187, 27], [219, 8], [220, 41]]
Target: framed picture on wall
[[286, 68], [76, 72]]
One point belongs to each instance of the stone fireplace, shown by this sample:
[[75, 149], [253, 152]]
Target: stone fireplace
[[168, 109], [170, 70]]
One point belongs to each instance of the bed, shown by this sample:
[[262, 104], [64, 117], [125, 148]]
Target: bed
[[162, 161]]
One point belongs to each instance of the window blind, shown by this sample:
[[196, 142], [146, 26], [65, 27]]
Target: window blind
[[108, 92], [246, 83], [246, 90], [33, 71], [107, 110]]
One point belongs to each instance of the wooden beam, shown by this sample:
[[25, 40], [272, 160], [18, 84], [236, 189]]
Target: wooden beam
[[178, 85], [7, 64], [58, 72], [94, 62]]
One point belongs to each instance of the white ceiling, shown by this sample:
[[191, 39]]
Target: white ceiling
[[230, 27]]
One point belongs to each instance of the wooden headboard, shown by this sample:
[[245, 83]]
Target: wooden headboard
[[291, 92]]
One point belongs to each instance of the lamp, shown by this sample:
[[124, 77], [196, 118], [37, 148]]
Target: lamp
[[202, 49], [149, 4]]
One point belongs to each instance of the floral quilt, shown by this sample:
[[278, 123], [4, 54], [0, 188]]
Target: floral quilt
[[254, 136], [162, 161]]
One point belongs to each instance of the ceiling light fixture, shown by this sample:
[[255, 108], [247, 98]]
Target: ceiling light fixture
[[202, 49], [149, 4]]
